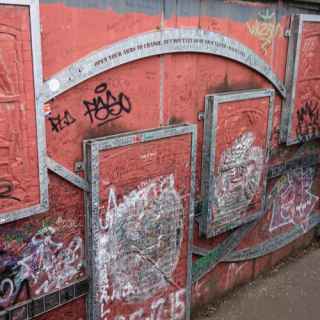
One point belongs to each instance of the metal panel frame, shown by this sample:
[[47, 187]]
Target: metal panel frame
[[213, 257], [225, 251], [212, 104], [43, 206], [92, 148], [66, 174], [282, 168], [293, 57], [271, 245], [164, 41]]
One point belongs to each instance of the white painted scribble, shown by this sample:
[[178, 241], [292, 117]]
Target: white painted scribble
[[139, 242], [238, 178], [292, 199], [234, 270], [170, 307], [60, 264]]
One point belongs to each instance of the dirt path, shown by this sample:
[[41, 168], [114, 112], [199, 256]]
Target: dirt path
[[290, 291]]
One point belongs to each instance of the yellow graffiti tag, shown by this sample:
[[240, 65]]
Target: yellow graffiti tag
[[265, 28]]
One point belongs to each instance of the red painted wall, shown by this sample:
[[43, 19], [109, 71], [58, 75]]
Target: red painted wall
[[160, 90]]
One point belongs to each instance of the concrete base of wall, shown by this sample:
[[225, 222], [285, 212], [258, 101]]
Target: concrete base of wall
[[221, 282]]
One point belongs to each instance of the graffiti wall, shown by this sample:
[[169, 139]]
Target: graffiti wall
[[42, 254], [153, 154], [143, 224], [237, 137]]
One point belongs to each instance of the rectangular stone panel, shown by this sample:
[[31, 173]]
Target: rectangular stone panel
[[140, 212], [23, 176], [300, 113], [236, 148]]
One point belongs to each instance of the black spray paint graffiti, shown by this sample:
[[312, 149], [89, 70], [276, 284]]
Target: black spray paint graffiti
[[106, 107], [59, 122], [12, 280], [308, 126], [6, 189]]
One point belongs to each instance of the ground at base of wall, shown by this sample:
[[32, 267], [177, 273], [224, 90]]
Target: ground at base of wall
[[288, 291]]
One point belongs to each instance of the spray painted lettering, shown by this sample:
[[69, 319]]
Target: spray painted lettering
[[106, 107], [292, 199], [59, 122], [6, 189], [171, 307], [11, 283], [239, 175], [44, 265], [308, 125], [139, 243], [265, 28]]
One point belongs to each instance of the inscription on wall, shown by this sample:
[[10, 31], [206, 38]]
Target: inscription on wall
[[157, 43]]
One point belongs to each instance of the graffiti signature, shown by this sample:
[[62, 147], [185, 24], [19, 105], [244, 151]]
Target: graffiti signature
[[308, 125], [107, 108], [265, 28], [59, 122], [6, 189]]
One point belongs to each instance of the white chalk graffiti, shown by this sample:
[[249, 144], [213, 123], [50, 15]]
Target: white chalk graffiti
[[57, 263], [234, 270], [238, 178], [293, 200], [139, 242], [172, 307]]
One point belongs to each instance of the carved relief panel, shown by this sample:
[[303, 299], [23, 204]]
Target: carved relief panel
[[300, 113], [141, 215], [23, 176], [236, 146]]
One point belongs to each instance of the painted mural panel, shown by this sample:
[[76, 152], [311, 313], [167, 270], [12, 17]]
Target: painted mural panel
[[300, 117], [22, 176], [236, 147], [292, 210], [141, 211]]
